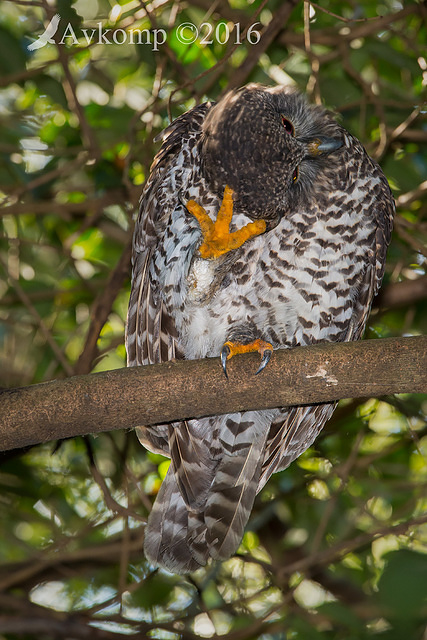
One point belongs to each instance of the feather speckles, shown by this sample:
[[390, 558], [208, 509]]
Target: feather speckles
[[310, 277]]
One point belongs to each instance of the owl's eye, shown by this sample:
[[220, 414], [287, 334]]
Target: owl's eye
[[288, 126], [295, 175]]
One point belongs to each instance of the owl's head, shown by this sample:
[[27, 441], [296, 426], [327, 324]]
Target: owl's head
[[270, 146]]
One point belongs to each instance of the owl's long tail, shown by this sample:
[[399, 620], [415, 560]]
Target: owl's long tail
[[166, 535], [183, 531]]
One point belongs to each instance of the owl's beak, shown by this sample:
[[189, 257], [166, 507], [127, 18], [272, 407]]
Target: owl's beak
[[323, 146]]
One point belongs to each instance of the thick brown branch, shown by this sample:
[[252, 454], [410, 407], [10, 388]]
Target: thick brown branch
[[125, 398]]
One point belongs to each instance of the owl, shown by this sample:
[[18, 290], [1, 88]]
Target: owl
[[263, 225]]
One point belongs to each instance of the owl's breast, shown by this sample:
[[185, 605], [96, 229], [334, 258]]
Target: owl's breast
[[294, 285]]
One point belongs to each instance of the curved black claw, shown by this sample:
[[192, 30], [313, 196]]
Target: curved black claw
[[224, 354], [265, 360]]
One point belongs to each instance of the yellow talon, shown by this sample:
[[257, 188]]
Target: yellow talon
[[230, 349], [217, 238]]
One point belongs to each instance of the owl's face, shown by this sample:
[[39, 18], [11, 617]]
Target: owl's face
[[269, 146]]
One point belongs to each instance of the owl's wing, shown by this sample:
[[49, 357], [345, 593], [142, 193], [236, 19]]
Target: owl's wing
[[150, 334], [384, 208], [295, 429], [150, 330], [290, 434]]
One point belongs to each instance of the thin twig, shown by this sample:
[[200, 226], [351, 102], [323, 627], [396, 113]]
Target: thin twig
[[57, 352]]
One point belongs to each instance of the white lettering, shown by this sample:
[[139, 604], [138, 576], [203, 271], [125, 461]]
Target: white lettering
[[87, 37], [116, 34], [102, 35], [69, 33], [156, 40], [140, 34]]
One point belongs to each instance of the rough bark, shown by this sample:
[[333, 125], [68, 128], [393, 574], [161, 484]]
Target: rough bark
[[125, 398]]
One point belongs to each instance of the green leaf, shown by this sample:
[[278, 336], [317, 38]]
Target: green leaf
[[402, 587], [12, 53], [154, 591], [47, 85]]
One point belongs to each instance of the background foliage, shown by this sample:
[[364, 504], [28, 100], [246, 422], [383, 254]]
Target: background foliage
[[337, 544]]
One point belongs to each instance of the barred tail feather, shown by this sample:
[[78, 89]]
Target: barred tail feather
[[229, 507], [165, 543], [191, 520], [197, 537], [191, 461], [182, 540]]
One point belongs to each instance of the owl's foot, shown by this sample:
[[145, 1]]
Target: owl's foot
[[230, 349], [217, 238]]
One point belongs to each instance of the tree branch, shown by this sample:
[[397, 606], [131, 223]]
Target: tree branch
[[101, 310], [125, 398], [275, 26]]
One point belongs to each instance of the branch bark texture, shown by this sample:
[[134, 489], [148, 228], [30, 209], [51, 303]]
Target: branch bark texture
[[125, 398]]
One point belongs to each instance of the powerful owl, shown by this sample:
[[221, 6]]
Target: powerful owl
[[264, 224]]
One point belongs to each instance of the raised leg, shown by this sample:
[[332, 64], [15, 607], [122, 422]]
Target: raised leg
[[217, 238]]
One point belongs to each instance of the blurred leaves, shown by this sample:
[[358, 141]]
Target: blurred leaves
[[402, 587]]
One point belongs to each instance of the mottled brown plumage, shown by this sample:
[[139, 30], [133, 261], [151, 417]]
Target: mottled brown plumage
[[310, 277]]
